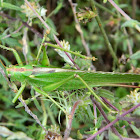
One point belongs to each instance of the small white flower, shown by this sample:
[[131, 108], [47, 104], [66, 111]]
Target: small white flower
[[28, 11], [42, 11], [134, 97], [65, 45]]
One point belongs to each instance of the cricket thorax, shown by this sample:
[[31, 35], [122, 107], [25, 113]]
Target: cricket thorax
[[18, 69], [25, 70]]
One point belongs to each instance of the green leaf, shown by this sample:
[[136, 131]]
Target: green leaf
[[92, 131], [35, 101], [99, 122], [101, 136], [10, 6], [11, 42], [21, 105], [106, 93], [136, 55], [130, 23], [3, 25], [121, 92], [45, 60], [135, 129], [90, 113], [79, 135], [53, 28], [112, 136], [137, 111], [16, 34]]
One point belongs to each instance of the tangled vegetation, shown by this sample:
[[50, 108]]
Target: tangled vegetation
[[96, 93]]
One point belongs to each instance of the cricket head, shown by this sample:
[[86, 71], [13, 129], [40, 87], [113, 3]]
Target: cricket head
[[19, 73]]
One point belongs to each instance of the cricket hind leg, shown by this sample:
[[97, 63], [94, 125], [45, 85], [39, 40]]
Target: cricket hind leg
[[92, 92], [54, 86]]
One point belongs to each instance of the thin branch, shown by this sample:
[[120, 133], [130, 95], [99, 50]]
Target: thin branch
[[95, 113], [109, 46], [47, 26], [119, 9], [106, 101], [78, 28], [13, 32], [32, 114], [105, 117], [123, 13], [41, 19], [5, 76], [58, 42], [68, 129], [134, 119], [113, 122], [24, 23], [128, 43], [134, 7]]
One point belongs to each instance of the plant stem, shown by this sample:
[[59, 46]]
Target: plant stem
[[113, 122], [119, 9], [45, 94], [32, 114], [104, 33], [75, 53], [50, 115], [40, 48], [44, 23], [78, 28], [123, 13], [44, 121], [93, 93], [58, 42], [104, 115], [68, 129], [105, 9], [105, 100]]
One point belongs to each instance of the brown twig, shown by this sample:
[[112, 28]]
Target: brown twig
[[113, 122], [68, 129], [134, 6], [47, 26], [123, 13], [105, 117], [78, 28], [13, 32], [134, 119], [24, 23], [32, 114]]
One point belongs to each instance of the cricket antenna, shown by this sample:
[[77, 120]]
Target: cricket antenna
[[2, 64]]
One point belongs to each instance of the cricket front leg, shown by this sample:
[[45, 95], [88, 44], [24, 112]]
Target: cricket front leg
[[15, 54], [19, 92]]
